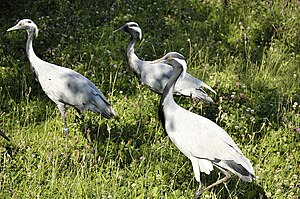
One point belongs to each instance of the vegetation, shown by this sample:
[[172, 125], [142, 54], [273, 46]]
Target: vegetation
[[247, 50]]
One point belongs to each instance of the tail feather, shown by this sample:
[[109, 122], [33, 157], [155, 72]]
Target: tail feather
[[108, 112], [246, 174], [202, 84], [201, 94], [102, 106], [198, 94]]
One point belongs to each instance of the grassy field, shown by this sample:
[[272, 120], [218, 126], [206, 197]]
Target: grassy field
[[249, 51]]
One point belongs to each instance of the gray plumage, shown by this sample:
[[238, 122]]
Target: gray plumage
[[64, 86], [4, 136], [204, 142], [156, 76]]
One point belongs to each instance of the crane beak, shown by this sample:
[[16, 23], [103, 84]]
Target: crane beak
[[161, 60], [121, 28], [16, 27], [20, 27]]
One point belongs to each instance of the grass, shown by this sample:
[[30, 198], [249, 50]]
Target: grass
[[249, 52]]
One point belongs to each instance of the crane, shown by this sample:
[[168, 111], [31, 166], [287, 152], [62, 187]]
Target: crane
[[65, 87], [205, 143], [156, 76]]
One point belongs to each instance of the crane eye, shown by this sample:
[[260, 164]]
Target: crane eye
[[29, 22]]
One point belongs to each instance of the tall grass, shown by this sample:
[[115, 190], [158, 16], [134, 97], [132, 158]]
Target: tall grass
[[248, 51]]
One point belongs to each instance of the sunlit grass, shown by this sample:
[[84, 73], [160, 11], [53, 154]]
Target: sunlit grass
[[247, 51]]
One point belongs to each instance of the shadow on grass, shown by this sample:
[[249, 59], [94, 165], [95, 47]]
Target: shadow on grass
[[113, 141], [234, 187]]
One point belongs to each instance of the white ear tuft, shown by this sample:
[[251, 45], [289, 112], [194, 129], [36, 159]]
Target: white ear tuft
[[36, 32], [182, 62]]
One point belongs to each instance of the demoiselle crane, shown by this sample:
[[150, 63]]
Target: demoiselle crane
[[4, 136], [205, 143], [64, 86], [156, 76]]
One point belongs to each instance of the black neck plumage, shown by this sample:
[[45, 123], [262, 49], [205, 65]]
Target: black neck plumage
[[130, 46], [167, 95]]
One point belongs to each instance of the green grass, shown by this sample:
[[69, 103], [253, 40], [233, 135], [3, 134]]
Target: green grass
[[249, 52]]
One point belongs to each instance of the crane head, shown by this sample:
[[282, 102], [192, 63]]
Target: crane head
[[175, 59], [25, 24], [132, 28]]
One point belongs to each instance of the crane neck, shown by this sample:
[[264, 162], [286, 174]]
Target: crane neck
[[29, 46], [133, 59], [167, 96], [130, 46]]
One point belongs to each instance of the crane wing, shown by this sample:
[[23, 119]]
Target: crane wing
[[156, 76], [199, 137], [65, 85], [191, 82]]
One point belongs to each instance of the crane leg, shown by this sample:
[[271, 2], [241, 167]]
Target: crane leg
[[86, 131], [66, 129], [63, 112], [223, 180], [198, 192]]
